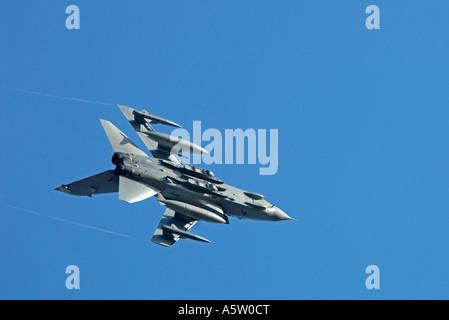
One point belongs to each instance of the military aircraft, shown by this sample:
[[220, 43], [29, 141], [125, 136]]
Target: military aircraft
[[188, 193]]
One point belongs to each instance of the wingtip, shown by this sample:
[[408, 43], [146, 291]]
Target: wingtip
[[63, 188]]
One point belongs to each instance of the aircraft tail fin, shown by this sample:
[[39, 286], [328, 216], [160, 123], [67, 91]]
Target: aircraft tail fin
[[119, 141]]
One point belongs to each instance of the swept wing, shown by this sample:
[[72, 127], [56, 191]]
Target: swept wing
[[142, 126], [174, 226]]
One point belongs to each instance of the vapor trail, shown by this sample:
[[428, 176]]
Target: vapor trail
[[67, 221], [55, 96]]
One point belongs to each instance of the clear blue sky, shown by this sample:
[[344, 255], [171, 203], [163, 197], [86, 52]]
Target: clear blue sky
[[363, 157]]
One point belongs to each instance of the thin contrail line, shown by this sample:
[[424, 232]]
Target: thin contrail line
[[55, 96], [67, 221]]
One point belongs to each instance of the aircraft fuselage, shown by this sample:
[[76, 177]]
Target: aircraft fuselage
[[193, 186]]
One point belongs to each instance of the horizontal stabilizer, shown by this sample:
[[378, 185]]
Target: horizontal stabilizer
[[133, 191], [105, 182]]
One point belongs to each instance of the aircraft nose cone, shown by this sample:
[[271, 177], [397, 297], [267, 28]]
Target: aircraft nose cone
[[280, 215]]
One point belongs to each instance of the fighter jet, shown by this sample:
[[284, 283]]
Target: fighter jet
[[188, 193]]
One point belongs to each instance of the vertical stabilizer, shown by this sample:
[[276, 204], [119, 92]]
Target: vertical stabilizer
[[119, 141]]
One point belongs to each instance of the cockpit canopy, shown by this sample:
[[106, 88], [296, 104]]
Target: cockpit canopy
[[267, 204]]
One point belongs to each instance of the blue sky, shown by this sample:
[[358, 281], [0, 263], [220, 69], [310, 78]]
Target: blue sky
[[363, 158]]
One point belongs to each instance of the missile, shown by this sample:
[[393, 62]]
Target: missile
[[169, 231], [168, 142], [142, 116], [194, 211]]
